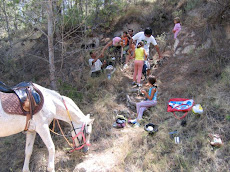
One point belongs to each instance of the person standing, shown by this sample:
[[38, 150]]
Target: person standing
[[147, 38], [130, 54], [130, 34], [124, 39], [124, 46], [177, 27], [140, 55], [131, 48]]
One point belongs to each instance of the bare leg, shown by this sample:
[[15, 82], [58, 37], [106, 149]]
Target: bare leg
[[130, 101], [148, 72], [30, 137], [127, 59], [44, 133], [121, 55]]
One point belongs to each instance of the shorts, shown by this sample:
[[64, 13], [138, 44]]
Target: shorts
[[147, 65], [145, 68]]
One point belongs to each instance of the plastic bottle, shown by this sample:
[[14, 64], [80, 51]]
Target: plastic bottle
[[109, 76]]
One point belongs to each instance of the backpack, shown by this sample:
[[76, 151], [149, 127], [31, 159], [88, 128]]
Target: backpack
[[120, 121]]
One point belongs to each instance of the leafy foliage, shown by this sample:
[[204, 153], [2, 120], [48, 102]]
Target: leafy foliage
[[191, 4], [70, 91]]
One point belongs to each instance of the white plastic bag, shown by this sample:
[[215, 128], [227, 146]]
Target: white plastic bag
[[197, 109]]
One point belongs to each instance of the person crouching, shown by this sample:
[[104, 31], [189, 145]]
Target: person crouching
[[95, 64]]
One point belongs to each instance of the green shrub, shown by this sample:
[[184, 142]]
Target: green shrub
[[70, 91], [225, 75], [73, 17], [228, 117], [191, 4], [172, 2], [177, 13], [161, 40]]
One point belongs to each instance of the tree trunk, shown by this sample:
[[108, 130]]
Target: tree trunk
[[50, 45], [86, 13], [78, 4], [97, 12], [58, 14], [7, 23], [15, 22]]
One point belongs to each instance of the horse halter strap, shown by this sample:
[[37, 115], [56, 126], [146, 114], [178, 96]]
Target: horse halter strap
[[82, 132]]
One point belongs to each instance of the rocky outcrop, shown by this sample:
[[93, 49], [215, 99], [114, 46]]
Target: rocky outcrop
[[186, 44]]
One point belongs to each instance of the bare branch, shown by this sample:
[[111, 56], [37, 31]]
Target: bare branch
[[45, 60]]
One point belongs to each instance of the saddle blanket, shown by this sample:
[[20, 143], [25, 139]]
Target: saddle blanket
[[11, 103]]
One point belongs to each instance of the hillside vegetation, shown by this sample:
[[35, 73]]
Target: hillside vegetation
[[196, 67]]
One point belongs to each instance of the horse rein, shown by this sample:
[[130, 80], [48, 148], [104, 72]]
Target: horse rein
[[72, 145], [63, 135]]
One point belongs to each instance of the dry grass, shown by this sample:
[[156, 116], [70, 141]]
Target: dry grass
[[202, 75]]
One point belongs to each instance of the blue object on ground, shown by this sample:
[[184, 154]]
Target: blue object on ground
[[173, 132]]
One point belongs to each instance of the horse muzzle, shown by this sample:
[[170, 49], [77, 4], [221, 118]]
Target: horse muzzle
[[85, 149]]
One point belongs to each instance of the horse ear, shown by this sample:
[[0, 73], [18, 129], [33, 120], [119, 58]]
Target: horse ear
[[91, 121]]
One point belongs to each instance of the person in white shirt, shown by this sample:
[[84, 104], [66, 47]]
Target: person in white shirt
[[95, 64], [148, 39]]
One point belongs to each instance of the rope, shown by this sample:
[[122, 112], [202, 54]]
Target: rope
[[67, 110], [68, 114], [179, 117], [71, 145], [76, 135], [53, 125]]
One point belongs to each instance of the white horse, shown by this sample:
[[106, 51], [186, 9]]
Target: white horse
[[53, 108]]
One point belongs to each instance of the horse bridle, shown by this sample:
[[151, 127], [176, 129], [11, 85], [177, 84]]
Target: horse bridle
[[81, 142], [82, 132]]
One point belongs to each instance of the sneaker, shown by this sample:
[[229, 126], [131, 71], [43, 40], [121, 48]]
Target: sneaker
[[133, 83], [139, 85], [125, 66], [136, 125], [133, 121]]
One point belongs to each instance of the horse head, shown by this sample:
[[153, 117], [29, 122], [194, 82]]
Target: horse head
[[81, 134]]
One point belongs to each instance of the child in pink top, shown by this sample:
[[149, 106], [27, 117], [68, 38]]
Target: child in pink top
[[116, 42], [177, 27]]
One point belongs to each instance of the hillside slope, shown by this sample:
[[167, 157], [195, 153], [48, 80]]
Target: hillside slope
[[196, 66]]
